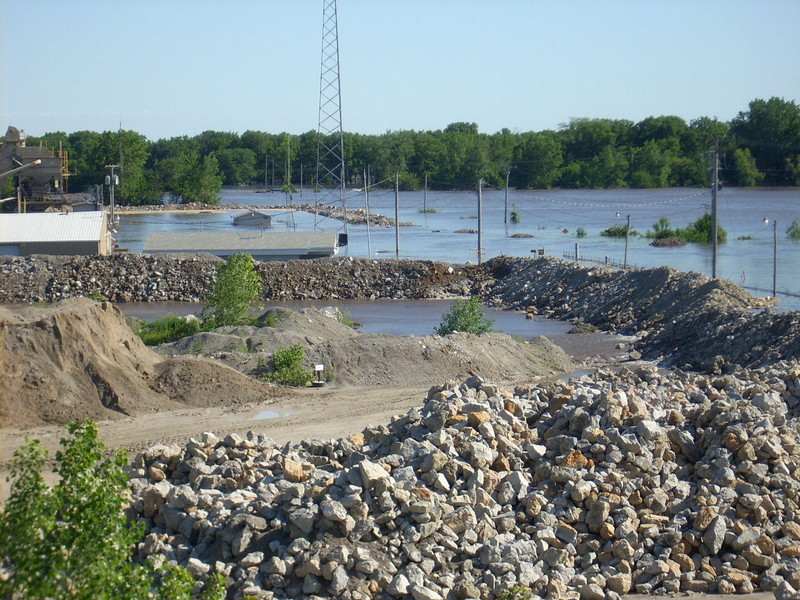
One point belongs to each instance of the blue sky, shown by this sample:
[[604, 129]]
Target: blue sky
[[167, 68]]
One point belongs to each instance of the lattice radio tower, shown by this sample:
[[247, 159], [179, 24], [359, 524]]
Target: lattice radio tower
[[330, 138]]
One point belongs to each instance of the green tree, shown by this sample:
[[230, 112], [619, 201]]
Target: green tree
[[746, 172], [465, 316], [191, 178], [538, 159], [238, 165], [234, 293], [771, 130], [73, 540]]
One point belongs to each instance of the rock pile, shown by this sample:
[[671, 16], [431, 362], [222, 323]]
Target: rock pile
[[682, 319], [164, 277], [615, 483], [356, 216]]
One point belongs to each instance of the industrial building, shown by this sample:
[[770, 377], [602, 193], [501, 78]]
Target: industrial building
[[42, 174], [61, 233], [261, 246]]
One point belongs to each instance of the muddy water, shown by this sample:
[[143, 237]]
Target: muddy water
[[418, 317]]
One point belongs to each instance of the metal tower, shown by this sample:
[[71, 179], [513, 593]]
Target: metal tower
[[330, 138]]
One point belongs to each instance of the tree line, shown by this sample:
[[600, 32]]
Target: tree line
[[760, 146]]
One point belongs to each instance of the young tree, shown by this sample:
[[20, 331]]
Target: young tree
[[73, 540], [465, 316], [234, 293]]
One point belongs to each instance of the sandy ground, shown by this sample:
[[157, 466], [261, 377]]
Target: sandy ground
[[313, 413]]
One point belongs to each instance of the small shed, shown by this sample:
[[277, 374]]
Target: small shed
[[61, 233], [260, 245], [253, 218]]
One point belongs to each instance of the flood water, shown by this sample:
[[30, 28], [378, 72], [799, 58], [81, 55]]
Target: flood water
[[417, 318], [552, 218]]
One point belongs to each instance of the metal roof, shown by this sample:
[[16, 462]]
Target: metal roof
[[300, 243], [17, 228]]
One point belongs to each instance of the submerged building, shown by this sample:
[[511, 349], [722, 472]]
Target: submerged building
[[260, 245]]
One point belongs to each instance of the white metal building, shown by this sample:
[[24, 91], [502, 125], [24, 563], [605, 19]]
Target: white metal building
[[261, 246], [85, 232]]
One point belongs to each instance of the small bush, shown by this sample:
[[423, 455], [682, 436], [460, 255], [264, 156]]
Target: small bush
[[793, 231], [287, 367], [700, 231], [580, 232], [515, 216], [465, 316], [618, 230], [427, 210], [517, 592], [168, 328]]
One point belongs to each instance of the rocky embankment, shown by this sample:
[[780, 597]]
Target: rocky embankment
[[682, 319], [615, 483]]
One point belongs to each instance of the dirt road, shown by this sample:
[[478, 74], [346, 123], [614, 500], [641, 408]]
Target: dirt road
[[320, 413]]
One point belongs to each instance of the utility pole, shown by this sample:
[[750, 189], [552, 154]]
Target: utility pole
[[397, 215], [112, 181], [425, 195], [480, 219], [627, 235], [714, 186], [366, 204], [505, 208], [774, 258]]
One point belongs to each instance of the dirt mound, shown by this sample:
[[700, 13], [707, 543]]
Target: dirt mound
[[361, 359], [78, 360]]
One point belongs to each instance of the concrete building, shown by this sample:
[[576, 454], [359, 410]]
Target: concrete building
[[260, 245], [55, 233]]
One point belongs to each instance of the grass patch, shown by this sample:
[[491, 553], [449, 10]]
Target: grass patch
[[168, 328], [346, 318], [426, 210]]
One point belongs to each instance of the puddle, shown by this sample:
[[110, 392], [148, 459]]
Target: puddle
[[575, 375], [269, 414]]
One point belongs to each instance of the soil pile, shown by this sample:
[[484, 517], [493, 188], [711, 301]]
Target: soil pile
[[78, 360], [359, 359]]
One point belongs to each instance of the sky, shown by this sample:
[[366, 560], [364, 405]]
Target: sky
[[167, 68]]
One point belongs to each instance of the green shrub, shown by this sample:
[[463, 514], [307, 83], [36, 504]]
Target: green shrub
[[234, 293], [287, 367], [426, 210], [580, 232], [618, 230], [517, 592], [168, 328], [700, 231], [73, 540], [465, 316], [346, 318], [515, 216], [793, 231]]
